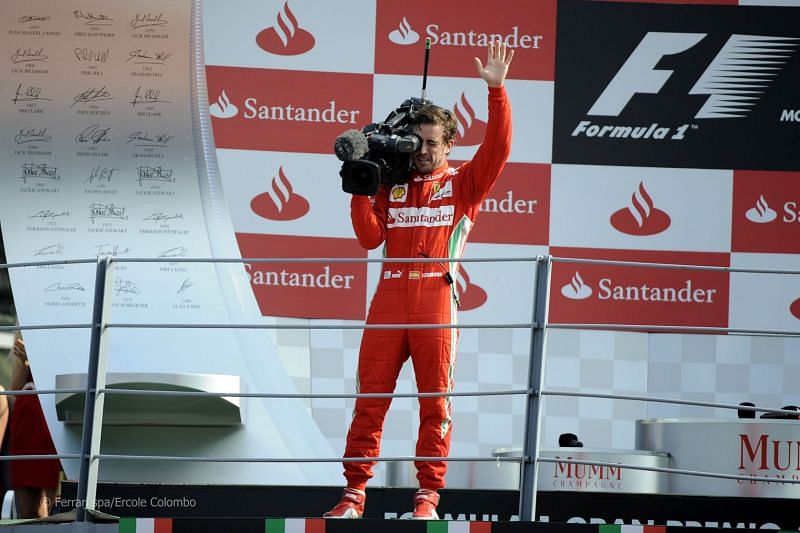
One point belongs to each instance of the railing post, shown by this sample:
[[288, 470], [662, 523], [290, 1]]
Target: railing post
[[93, 405], [530, 449]]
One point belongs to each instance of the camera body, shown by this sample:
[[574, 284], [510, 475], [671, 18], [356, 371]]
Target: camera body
[[388, 160]]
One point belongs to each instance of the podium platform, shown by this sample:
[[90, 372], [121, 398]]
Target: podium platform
[[246, 508]]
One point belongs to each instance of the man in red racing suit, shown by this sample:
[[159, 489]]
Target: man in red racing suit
[[429, 216]]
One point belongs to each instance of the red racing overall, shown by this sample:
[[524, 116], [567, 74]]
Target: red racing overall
[[430, 216]]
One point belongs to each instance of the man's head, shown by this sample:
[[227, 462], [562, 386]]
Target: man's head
[[437, 128]]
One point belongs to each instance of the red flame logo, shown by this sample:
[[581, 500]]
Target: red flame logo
[[286, 38], [641, 217], [470, 129], [281, 203], [795, 308], [472, 296]]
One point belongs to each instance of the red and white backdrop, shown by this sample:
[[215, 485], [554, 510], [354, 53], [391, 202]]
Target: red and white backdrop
[[647, 132]]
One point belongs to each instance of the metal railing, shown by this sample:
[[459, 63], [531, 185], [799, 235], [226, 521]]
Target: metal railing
[[90, 454]]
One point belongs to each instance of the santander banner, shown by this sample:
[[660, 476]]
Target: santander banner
[[309, 290], [766, 212], [281, 110], [458, 34], [517, 211], [610, 294]]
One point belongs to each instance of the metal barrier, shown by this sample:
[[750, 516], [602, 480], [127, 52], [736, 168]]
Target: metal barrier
[[90, 454]]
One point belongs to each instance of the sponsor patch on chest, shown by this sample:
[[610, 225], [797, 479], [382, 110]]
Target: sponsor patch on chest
[[441, 190], [409, 217], [399, 193]]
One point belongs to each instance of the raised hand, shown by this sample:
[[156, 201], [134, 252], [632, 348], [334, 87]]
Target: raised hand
[[497, 62]]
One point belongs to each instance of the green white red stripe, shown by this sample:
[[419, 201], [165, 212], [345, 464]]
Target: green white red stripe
[[294, 525], [610, 528], [443, 526], [145, 525]]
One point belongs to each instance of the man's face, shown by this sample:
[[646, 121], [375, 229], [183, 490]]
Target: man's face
[[433, 151]]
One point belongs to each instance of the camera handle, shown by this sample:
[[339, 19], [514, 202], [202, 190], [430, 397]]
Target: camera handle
[[425, 68]]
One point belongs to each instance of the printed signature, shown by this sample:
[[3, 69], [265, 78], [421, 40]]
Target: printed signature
[[93, 19], [126, 286], [23, 55], [94, 134], [160, 216], [143, 138], [100, 174], [30, 94], [144, 57], [143, 20], [111, 249], [49, 213], [30, 135], [178, 251], [53, 249], [26, 19], [92, 95], [185, 285], [147, 96], [58, 286]]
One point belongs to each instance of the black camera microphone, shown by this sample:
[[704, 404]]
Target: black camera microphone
[[351, 145]]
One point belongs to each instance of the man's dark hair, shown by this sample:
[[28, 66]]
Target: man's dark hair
[[433, 114]]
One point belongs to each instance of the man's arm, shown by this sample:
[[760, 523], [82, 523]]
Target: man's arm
[[369, 220], [482, 172]]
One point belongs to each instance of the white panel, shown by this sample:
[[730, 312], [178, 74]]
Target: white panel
[[762, 301], [247, 174], [698, 203], [343, 32], [508, 285], [532, 108]]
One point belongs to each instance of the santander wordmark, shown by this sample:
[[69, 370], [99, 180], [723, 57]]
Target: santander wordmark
[[625, 291], [686, 292], [285, 278], [289, 112]]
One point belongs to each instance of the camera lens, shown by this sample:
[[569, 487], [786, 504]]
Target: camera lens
[[360, 177]]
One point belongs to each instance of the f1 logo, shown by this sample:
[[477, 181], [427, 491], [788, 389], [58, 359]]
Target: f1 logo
[[639, 75], [744, 62]]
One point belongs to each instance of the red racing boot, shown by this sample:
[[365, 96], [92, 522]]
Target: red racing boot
[[425, 502], [350, 506]]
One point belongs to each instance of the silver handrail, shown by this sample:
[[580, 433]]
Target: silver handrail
[[90, 455]]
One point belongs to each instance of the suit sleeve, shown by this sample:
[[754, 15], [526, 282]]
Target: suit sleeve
[[369, 218], [480, 174]]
